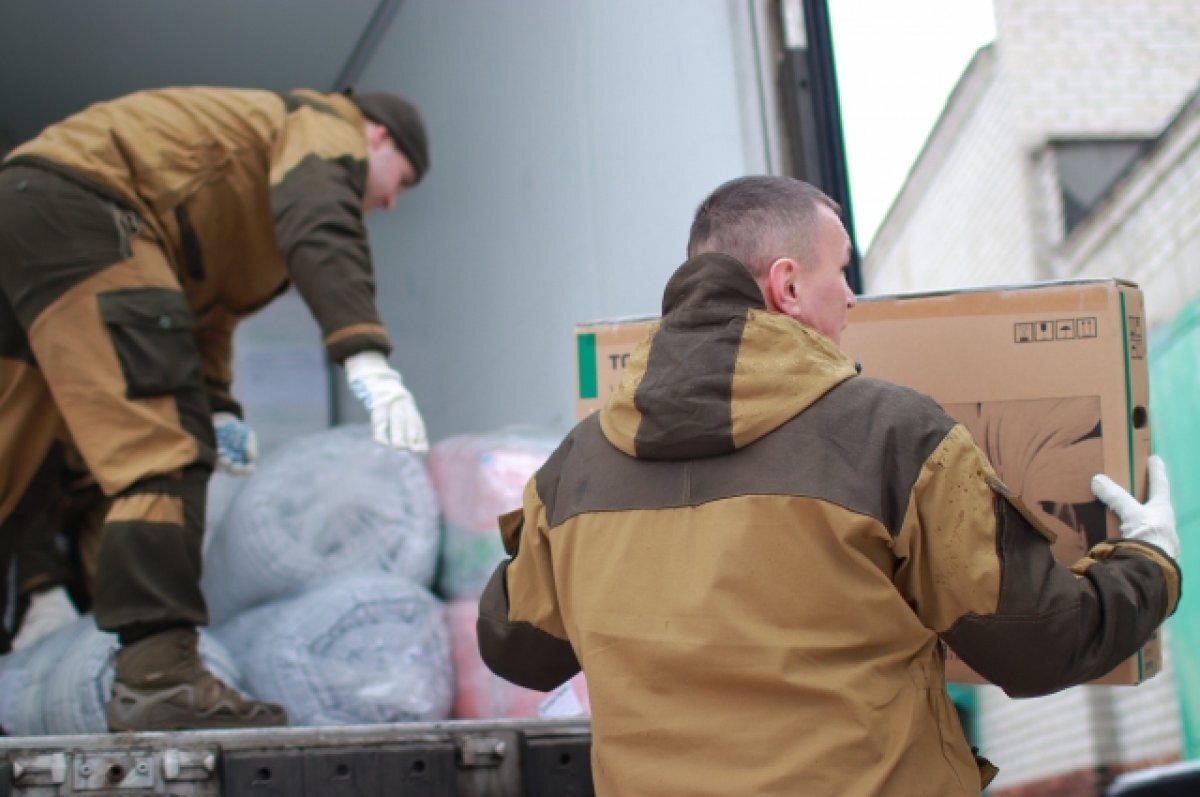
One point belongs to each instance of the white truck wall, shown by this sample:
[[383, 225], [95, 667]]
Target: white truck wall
[[570, 145]]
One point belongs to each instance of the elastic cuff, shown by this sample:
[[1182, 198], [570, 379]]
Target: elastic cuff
[[1171, 571], [39, 584], [219, 400], [136, 633]]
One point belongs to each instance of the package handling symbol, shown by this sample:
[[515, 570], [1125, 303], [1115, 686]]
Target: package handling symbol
[[1061, 329]]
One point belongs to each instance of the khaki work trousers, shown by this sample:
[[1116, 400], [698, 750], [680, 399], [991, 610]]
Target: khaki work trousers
[[97, 356]]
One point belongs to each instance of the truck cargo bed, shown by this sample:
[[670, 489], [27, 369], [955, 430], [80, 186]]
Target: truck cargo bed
[[458, 757]]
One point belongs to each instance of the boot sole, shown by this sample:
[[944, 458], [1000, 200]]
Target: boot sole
[[149, 710]]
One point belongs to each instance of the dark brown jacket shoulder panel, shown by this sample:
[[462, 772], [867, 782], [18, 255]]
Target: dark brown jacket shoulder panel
[[861, 446]]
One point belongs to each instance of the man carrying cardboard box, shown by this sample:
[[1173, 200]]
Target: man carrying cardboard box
[[755, 553]]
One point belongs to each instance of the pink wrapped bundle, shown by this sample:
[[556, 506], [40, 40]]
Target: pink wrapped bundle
[[480, 694], [477, 478]]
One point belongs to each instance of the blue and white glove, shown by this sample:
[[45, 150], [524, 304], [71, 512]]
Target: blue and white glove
[[237, 447], [1153, 521], [395, 420]]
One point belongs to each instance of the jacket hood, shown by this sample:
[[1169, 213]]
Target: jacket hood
[[719, 371]]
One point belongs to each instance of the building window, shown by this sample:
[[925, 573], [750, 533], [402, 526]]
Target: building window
[[1087, 170]]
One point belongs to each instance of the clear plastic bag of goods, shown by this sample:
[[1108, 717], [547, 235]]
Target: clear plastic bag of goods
[[222, 489], [364, 648], [481, 694], [61, 683], [316, 507], [478, 478]]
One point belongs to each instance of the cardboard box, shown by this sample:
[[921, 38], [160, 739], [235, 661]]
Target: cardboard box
[[1050, 379], [601, 350]]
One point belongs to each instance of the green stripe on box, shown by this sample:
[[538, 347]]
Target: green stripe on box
[[586, 348]]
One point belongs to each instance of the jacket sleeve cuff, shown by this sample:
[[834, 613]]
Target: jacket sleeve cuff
[[221, 400], [1170, 568], [348, 341], [519, 651]]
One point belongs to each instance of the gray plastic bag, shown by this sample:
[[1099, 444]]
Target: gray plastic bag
[[60, 684], [362, 649], [319, 506]]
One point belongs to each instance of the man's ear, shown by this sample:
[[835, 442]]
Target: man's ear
[[780, 288], [376, 133]]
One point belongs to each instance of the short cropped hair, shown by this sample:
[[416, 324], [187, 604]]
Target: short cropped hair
[[758, 220]]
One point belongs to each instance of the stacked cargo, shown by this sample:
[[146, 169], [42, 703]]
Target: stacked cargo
[[60, 684], [317, 507], [477, 478], [343, 580]]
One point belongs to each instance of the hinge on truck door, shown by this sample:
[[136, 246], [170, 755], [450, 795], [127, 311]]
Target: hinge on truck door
[[481, 751], [49, 769], [110, 770], [188, 765], [106, 771]]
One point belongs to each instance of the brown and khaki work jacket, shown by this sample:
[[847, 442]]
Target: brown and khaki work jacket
[[755, 554], [247, 192]]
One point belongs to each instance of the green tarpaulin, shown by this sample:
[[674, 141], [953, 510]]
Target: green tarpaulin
[[1175, 429]]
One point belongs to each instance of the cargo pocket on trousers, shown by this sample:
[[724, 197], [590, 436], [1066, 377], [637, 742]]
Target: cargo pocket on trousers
[[151, 330]]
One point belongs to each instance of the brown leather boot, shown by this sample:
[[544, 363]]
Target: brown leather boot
[[161, 685]]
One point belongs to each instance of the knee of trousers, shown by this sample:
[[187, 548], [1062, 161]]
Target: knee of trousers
[[149, 564], [174, 500]]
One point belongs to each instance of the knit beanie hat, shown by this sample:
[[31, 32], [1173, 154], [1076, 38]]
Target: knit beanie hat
[[402, 121]]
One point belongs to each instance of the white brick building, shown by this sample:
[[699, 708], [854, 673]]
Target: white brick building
[[1070, 148], [982, 205]]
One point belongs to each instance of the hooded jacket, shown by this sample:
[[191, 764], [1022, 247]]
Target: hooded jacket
[[247, 192], [755, 554]]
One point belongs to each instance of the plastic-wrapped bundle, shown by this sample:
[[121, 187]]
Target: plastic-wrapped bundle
[[481, 694], [222, 489], [318, 506], [477, 479], [364, 648], [59, 685]]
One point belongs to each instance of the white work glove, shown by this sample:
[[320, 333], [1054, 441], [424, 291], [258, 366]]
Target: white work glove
[[237, 446], [395, 420], [48, 611], [1153, 521]]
